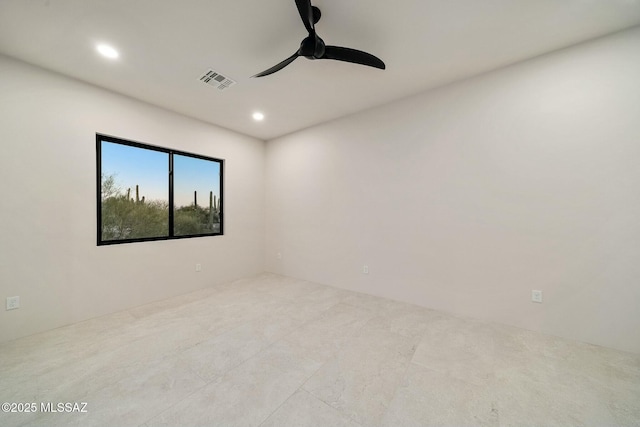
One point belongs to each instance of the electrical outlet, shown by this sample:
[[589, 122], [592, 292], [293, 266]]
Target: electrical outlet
[[198, 267], [365, 269], [536, 296], [13, 303]]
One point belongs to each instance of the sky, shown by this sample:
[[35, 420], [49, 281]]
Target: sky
[[149, 170], [192, 174]]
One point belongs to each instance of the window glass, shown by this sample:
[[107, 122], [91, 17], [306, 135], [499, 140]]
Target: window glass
[[137, 184]]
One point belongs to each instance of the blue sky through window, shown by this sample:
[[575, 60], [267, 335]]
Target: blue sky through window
[[192, 174], [133, 166], [148, 169]]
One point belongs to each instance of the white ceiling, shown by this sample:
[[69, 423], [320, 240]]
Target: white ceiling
[[165, 45]]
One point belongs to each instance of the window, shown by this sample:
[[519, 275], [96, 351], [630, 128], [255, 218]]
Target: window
[[151, 193]]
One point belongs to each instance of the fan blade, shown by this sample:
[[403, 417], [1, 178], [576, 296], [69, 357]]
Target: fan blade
[[352, 55], [306, 13], [278, 67]]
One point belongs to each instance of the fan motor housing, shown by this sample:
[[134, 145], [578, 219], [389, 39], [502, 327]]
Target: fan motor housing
[[312, 48]]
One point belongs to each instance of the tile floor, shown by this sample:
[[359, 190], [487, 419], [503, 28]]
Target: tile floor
[[275, 351]]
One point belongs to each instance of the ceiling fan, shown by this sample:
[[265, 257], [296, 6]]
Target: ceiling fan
[[313, 47]]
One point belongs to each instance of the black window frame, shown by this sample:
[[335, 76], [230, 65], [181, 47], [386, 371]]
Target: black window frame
[[170, 152]]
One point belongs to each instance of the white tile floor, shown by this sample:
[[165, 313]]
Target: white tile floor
[[275, 351]]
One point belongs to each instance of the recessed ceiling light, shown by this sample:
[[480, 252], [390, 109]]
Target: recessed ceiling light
[[258, 116], [107, 51]]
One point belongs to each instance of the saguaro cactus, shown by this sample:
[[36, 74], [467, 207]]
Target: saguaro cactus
[[211, 205]]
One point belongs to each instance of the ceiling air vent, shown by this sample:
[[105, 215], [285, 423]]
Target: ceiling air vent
[[216, 80]]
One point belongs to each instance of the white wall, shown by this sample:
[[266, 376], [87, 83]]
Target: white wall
[[48, 252], [466, 198]]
